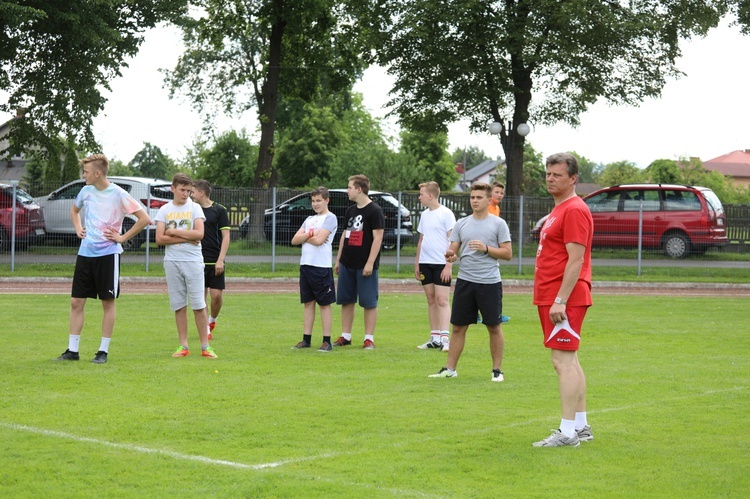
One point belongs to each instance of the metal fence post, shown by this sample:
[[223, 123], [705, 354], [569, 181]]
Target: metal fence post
[[640, 236], [148, 232], [398, 235], [273, 229], [13, 212], [520, 235]]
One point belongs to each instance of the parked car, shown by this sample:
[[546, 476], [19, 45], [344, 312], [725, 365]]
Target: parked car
[[679, 219], [152, 193], [291, 214], [29, 218]]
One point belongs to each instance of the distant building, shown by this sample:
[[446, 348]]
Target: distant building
[[14, 167], [483, 172], [735, 164]]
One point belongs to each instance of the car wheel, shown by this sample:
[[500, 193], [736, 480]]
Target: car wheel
[[676, 245], [134, 243]]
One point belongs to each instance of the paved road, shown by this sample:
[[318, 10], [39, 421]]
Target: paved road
[[388, 259]]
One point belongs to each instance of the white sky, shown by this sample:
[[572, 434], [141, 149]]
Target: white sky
[[704, 114]]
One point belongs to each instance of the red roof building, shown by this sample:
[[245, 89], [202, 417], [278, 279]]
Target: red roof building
[[735, 164]]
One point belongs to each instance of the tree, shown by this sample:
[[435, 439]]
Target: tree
[[621, 172], [151, 162], [588, 171], [71, 167], [34, 177], [244, 54], [230, 161], [429, 151], [53, 169], [515, 61], [534, 173], [120, 169], [469, 157], [58, 56], [664, 171]]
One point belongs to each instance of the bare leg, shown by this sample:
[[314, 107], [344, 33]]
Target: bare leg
[[371, 318], [347, 317], [108, 318], [326, 319], [443, 306], [180, 318], [308, 318], [458, 339], [77, 307], [217, 301], [571, 382], [432, 312], [201, 322], [497, 344]]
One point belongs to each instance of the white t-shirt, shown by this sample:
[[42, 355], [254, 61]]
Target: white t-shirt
[[182, 218], [319, 256], [434, 226]]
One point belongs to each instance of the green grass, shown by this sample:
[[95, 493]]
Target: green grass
[[668, 382]]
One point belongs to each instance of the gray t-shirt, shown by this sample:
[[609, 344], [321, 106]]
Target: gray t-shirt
[[475, 266]]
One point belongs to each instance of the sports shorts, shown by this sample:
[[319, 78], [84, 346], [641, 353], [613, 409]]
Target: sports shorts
[[212, 280], [469, 298], [185, 282], [566, 335], [316, 284], [96, 277], [353, 284], [429, 273]]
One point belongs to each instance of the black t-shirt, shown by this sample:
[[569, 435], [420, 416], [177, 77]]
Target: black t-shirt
[[360, 222], [216, 219]]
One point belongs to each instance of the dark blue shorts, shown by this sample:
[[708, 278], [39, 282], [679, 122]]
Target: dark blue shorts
[[469, 298], [316, 284], [353, 284]]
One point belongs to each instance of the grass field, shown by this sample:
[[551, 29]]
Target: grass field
[[668, 383]]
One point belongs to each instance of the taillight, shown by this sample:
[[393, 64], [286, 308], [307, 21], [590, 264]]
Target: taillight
[[154, 203]]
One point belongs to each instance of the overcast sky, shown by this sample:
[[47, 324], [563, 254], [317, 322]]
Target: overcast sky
[[704, 114]]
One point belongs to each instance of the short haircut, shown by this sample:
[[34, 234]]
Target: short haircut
[[432, 187], [203, 185], [362, 182], [568, 159], [319, 191], [181, 179], [482, 186], [499, 184], [98, 161]]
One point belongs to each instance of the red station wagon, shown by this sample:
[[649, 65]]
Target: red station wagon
[[29, 217], [678, 219]]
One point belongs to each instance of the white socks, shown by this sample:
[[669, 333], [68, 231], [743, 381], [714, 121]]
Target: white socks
[[104, 347], [568, 427], [73, 341], [581, 420]]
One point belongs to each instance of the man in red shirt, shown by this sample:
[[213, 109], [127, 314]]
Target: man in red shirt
[[562, 294]]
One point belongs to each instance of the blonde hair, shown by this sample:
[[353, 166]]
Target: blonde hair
[[431, 187], [98, 161]]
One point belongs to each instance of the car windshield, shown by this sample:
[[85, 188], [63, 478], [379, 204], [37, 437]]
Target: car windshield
[[21, 195], [713, 201], [393, 201]]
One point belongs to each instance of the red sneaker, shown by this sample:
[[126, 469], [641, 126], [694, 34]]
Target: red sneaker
[[342, 342], [369, 345], [211, 326]]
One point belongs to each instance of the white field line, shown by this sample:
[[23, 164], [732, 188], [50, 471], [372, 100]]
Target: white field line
[[172, 454]]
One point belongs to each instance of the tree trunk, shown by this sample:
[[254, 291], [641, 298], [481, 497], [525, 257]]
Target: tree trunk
[[265, 173]]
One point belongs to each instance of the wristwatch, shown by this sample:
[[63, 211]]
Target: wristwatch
[[560, 301]]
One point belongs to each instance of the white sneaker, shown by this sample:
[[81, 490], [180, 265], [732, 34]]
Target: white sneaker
[[497, 375], [430, 345], [558, 439], [444, 372], [446, 346], [584, 434]]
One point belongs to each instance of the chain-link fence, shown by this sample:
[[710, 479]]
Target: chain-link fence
[[261, 234]]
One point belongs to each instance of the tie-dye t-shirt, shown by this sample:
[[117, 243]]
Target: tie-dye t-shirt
[[104, 208]]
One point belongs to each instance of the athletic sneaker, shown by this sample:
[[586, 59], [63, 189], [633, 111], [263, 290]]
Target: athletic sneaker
[[211, 326], [210, 336], [100, 357], [497, 375], [209, 353], [430, 345], [369, 345], [342, 342], [68, 355], [325, 347], [504, 319], [301, 344], [446, 346], [181, 352], [444, 372], [584, 434], [558, 439]]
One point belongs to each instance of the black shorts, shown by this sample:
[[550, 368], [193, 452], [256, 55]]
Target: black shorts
[[429, 273], [97, 277], [316, 284], [212, 280], [469, 298]]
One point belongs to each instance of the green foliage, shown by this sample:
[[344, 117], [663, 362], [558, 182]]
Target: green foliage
[[469, 156], [53, 169], [621, 172], [429, 151], [58, 56], [534, 171], [34, 177], [151, 162], [120, 169], [663, 171], [255, 423], [588, 171], [71, 167], [486, 60], [229, 162]]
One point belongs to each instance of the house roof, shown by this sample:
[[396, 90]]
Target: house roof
[[734, 164], [481, 169]]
